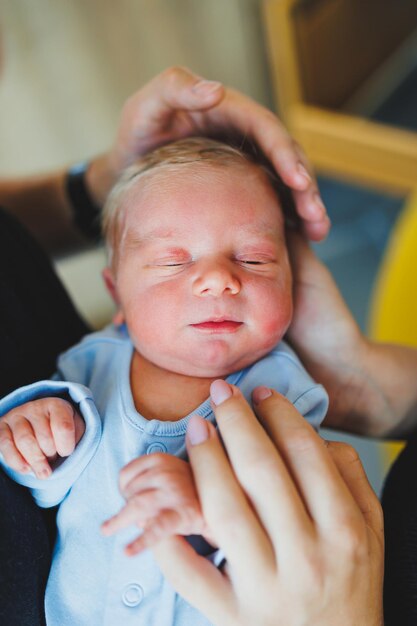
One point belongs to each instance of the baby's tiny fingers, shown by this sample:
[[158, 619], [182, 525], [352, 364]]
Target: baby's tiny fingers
[[28, 446], [167, 523], [113, 524], [43, 434], [135, 470], [11, 455], [138, 545], [140, 508], [127, 516], [63, 427]]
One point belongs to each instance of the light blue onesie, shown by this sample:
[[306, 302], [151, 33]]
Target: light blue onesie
[[91, 582]]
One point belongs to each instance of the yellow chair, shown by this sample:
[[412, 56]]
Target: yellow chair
[[393, 314], [332, 63]]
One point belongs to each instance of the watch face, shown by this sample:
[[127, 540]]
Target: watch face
[[78, 168]]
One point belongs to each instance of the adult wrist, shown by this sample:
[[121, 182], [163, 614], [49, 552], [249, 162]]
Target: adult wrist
[[101, 175], [86, 211], [370, 412]]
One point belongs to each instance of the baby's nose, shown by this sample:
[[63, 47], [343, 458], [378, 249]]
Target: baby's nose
[[216, 281]]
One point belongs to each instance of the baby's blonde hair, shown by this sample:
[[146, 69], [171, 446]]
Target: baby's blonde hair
[[170, 158]]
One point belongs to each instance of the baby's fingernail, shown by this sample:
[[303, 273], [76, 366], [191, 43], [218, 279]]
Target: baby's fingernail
[[44, 473], [206, 87], [260, 393], [197, 430], [220, 391]]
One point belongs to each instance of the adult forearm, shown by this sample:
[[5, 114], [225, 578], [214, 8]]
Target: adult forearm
[[379, 394], [393, 380], [41, 204], [372, 386]]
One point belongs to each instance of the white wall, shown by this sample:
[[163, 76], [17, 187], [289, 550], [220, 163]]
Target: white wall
[[68, 66]]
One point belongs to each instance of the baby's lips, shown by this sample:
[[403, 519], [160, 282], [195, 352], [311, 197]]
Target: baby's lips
[[218, 318], [225, 325]]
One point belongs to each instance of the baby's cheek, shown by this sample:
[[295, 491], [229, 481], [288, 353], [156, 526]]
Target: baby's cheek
[[151, 329], [275, 317]]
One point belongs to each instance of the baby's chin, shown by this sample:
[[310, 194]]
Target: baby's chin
[[222, 366]]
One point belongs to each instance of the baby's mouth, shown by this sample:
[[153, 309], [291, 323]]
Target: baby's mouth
[[218, 326]]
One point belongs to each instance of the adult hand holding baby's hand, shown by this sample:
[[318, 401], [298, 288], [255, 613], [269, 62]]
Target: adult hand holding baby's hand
[[35, 434], [300, 526], [160, 497]]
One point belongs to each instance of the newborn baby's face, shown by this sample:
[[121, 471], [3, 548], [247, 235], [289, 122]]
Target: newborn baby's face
[[203, 276]]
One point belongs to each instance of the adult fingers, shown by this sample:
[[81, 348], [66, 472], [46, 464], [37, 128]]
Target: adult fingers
[[310, 206], [301, 255], [351, 469], [293, 166], [210, 592], [223, 502], [259, 468], [325, 494], [315, 221], [175, 89], [157, 114], [182, 89], [317, 231], [239, 113]]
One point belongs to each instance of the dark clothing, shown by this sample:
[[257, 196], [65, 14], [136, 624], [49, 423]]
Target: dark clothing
[[399, 502], [37, 318], [37, 322], [25, 556]]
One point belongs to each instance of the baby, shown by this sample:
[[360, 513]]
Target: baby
[[199, 271]]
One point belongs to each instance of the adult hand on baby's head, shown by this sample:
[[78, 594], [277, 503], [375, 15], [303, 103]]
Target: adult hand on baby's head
[[177, 103], [300, 527]]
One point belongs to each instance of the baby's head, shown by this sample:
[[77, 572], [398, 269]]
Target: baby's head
[[198, 260]]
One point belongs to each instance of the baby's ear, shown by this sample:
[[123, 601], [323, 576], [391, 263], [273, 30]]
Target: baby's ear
[[118, 317], [110, 283]]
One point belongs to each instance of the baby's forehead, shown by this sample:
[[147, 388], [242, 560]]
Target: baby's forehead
[[167, 177], [180, 199]]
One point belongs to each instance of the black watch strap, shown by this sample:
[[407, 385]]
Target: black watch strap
[[86, 213]]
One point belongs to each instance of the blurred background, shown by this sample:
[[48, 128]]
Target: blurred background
[[341, 73]]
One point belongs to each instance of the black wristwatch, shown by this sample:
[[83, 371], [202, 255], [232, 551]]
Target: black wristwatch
[[86, 213]]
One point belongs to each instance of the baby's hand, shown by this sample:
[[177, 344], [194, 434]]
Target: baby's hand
[[35, 434], [161, 498]]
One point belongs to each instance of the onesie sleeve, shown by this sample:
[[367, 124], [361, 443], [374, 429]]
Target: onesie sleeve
[[282, 371], [52, 491]]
